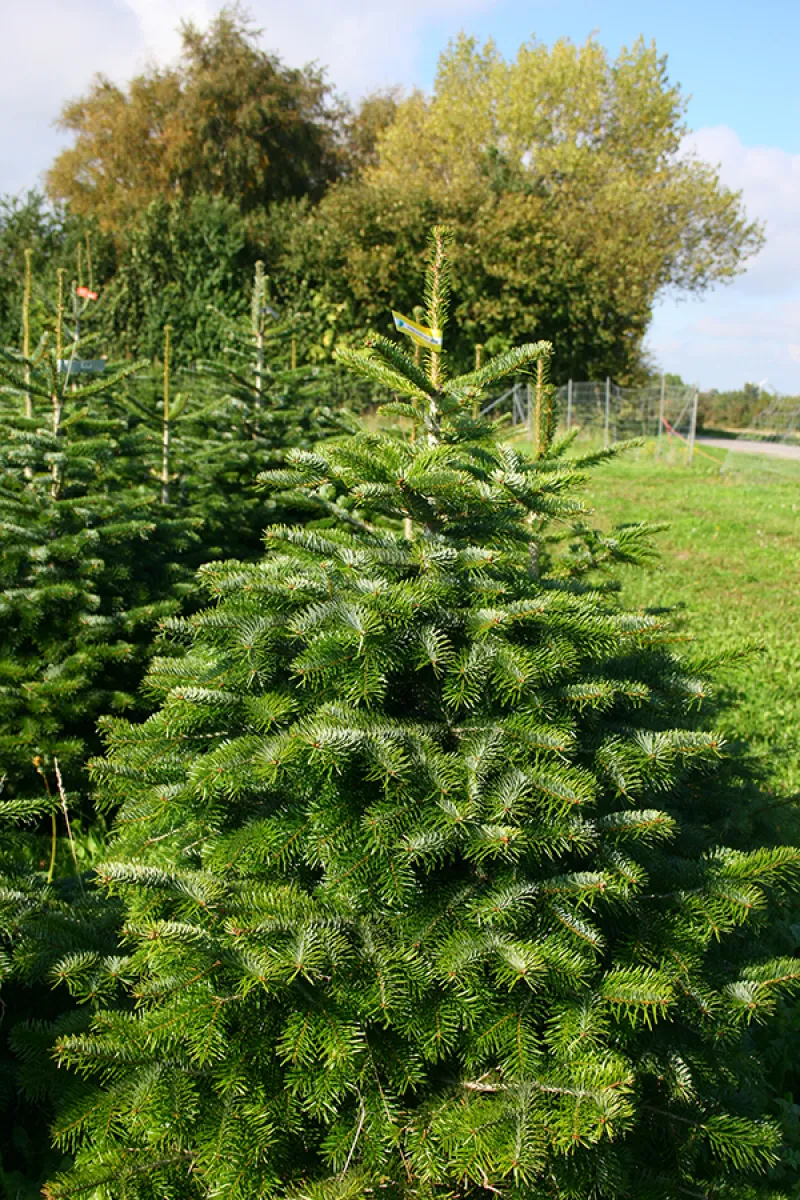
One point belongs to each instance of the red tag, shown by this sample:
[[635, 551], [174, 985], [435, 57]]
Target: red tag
[[85, 293]]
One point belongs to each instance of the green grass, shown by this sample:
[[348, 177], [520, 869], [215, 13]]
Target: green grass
[[730, 564]]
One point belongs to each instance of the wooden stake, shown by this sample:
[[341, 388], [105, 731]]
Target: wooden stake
[[26, 329], [165, 426], [476, 406], [89, 261], [60, 314], [55, 487], [540, 439], [258, 330]]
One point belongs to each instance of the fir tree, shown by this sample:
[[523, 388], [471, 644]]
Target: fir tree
[[111, 494], [207, 432], [420, 893], [87, 569], [86, 566]]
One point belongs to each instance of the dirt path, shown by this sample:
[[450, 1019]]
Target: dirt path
[[773, 449]]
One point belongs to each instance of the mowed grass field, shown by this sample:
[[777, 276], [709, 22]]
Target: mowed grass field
[[730, 565]]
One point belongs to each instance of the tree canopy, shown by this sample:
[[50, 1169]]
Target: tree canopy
[[562, 170], [564, 175], [228, 119]]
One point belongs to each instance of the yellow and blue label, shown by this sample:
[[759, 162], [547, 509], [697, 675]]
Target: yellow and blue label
[[431, 339]]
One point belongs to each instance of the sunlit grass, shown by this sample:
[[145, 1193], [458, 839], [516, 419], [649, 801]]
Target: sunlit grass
[[730, 564]]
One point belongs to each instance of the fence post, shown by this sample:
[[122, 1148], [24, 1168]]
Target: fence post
[[661, 413], [608, 407], [569, 404], [693, 425]]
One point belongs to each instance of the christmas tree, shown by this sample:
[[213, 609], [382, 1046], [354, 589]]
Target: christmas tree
[[207, 432], [114, 488], [420, 893], [87, 568], [86, 571]]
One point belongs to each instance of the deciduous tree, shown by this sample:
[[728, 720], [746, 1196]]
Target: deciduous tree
[[575, 205], [228, 119]]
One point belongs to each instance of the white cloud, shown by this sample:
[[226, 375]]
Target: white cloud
[[158, 23], [769, 180], [751, 328]]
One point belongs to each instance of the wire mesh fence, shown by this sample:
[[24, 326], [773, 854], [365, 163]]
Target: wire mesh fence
[[617, 413], [779, 421], [607, 412]]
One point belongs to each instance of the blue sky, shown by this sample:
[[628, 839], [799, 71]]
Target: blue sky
[[737, 61], [740, 62]]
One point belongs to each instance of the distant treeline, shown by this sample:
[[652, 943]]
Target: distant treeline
[[737, 409]]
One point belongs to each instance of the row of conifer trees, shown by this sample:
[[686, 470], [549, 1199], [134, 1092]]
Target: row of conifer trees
[[406, 862], [117, 483]]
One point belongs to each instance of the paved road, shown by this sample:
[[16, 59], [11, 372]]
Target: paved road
[[739, 446]]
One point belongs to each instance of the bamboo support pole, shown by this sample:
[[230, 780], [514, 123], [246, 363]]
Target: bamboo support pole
[[26, 329], [55, 486], [165, 435]]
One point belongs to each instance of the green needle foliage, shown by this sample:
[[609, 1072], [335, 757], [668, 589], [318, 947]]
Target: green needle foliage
[[269, 401], [87, 569], [112, 493], [86, 566], [206, 433], [421, 897]]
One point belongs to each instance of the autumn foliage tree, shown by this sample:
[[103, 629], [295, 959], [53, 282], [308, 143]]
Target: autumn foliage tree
[[228, 119], [562, 172]]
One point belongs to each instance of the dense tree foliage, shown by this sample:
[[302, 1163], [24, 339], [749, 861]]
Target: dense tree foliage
[[364, 127], [183, 259], [228, 119], [105, 489], [562, 173], [111, 492], [56, 239]]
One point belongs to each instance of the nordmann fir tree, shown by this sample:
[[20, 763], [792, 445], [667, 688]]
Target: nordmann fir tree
[[269, 400], [85, 573], [419, 900], [260, 373], [207, 432], [86, 567]]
